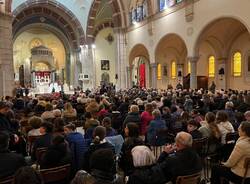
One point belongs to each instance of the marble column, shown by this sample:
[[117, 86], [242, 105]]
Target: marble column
[[68, 73], [154, 75], [6, 56], [86, 59], [77, 67], [129, 77], [193, 74], [221, 82], [121, 58]]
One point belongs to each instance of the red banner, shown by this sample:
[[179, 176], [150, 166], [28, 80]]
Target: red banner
[[142, 76], [43, 74]]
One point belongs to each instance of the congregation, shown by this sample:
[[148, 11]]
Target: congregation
[[134, 136]]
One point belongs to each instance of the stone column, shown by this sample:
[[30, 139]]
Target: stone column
[[129, 77], [77, 67], [154, 75], [193, 74], [6, 56], [68, 73], [121, 58], [221, 78]]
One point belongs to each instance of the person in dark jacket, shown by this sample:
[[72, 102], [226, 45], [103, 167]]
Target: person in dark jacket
[[46, 130], [106, 122], [156, 126], [133, 116], [180, 160], [9, 162], [27, 175], [57, 154], [145, 172], [5, 124], [99, 142], [192, 128], [132, 139], [78, 146]]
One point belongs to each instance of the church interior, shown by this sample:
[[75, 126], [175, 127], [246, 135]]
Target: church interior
[[148, 91]]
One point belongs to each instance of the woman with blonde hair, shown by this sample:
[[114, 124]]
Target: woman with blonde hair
[[146, 172], [133, 116], [69, 111]]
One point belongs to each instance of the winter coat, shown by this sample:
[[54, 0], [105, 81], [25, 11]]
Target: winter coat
[[147, 175]]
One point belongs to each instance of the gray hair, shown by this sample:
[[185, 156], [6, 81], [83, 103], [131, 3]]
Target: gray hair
[[184, 139], [229, 105], [142, 156], [156, 113]]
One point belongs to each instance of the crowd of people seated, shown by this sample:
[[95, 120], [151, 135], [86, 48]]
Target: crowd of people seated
[[113, 137]]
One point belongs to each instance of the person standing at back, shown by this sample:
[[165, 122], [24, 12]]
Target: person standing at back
[[9, 162]]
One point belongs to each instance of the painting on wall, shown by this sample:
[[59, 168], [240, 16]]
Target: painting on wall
[[104, 64]]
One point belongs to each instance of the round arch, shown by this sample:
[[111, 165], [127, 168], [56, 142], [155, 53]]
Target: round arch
[[222, 36], [139, 64], [212, 24], [171, 57], [174, 43], [118, 19], [138, 50], [53, 13]]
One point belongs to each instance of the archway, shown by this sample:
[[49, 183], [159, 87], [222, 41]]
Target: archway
[[222, 39], [117, 19], [139, 66], [171, 57], [54, 18]]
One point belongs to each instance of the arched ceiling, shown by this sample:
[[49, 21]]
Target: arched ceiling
[[172, 43], [52, 13], [80, 8], [220, 34], [104, 13]]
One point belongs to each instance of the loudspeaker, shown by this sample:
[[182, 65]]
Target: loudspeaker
[[116, 76], [221, 71]]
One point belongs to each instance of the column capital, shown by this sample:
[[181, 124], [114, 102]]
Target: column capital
[[153, 65], [193, 59]]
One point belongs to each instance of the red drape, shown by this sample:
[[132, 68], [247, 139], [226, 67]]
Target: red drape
[[43, 74], [142, 76]]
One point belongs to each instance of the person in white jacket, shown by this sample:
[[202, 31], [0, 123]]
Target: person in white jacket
[[233, 169], [224, 125]]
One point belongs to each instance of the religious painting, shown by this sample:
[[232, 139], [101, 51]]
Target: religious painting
[[104, 64]]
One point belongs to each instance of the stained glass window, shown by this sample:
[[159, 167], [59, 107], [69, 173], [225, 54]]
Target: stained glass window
[[173, 69], [211, 66], [159, 72], [237, 64]]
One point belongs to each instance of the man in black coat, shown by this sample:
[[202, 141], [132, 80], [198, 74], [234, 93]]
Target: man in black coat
[[180, 160], [9, 162]]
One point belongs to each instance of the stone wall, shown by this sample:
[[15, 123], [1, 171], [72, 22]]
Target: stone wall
[[6, 56]]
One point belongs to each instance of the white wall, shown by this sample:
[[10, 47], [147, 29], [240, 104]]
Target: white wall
[[105, 51], [205, 12]]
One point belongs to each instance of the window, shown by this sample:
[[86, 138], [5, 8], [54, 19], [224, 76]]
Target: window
[[138, 10], [189, 67], [237, 64], [159, 72], [211, 66], [164, 4], [173, 69]]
